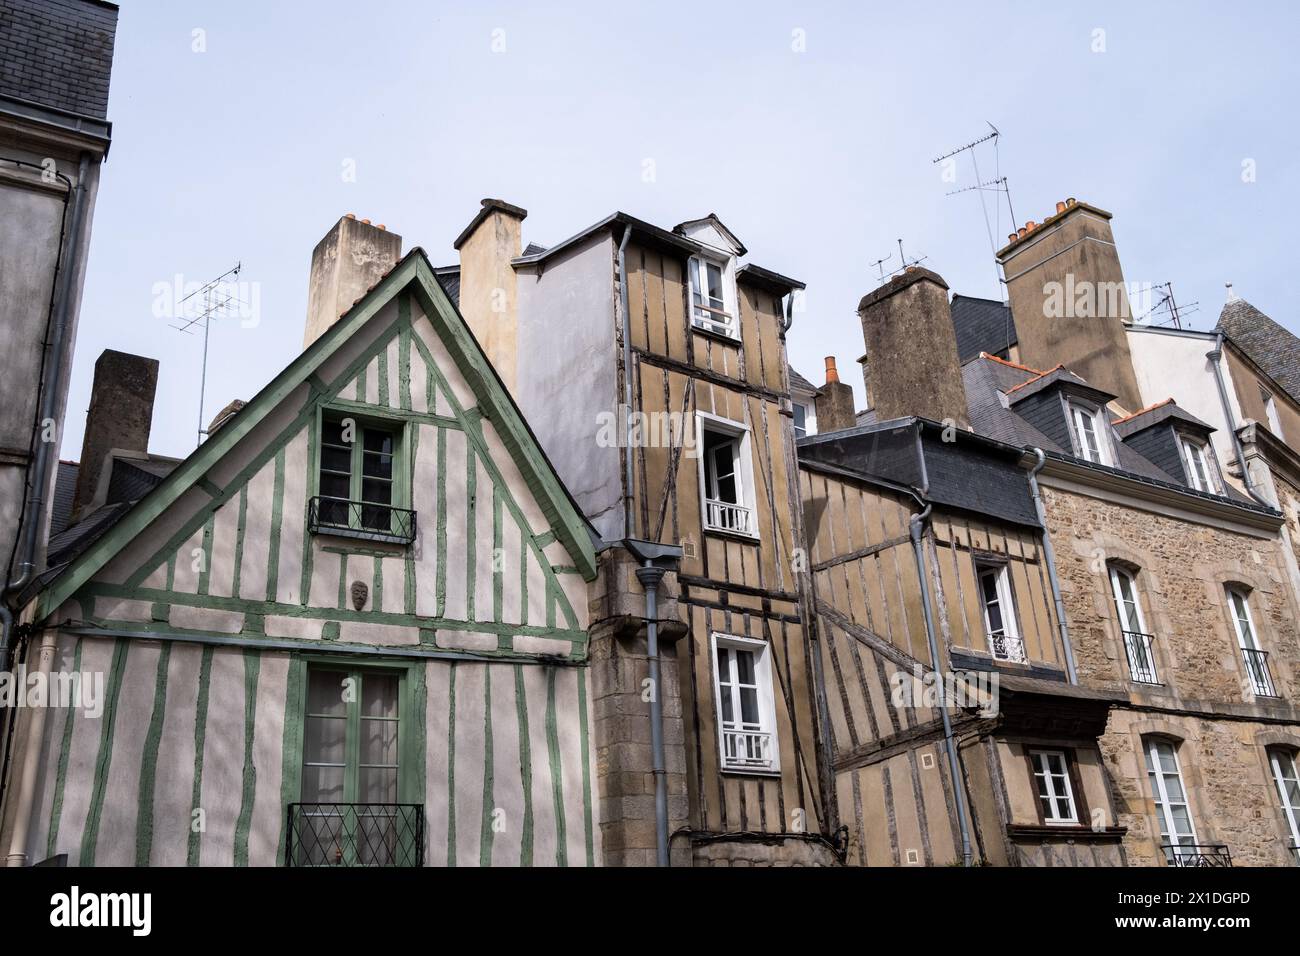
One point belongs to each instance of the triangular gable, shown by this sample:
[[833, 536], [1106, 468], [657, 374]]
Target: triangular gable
[[712, 232], [505, 427]]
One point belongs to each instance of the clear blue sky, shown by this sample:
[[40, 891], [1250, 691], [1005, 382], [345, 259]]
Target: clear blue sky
[[819, 160]]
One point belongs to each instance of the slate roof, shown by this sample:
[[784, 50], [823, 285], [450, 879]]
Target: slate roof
[[1266, 343], [982, 325], [449, 278], [65, 489], [1154, 415], [797, 381]]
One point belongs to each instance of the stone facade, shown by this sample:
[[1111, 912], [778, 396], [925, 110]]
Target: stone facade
[[1205, 702]]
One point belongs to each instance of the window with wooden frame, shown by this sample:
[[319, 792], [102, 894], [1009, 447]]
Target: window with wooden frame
[[1090, 433], [745, 704], [998, 603], [1199, 464], [1138, 642], [1174, 814], [1282, 762], [712, 302], [726, 477], [1254, 656], [349, 812], [360, 481], [1055, 786]]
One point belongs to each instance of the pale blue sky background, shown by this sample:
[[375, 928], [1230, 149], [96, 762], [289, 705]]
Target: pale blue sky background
[[818, 160]]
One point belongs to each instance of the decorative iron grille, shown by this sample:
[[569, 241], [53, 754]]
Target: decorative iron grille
[[355, 834], [360, 519], [1260, 677], [1197, 854], [1141, 657]]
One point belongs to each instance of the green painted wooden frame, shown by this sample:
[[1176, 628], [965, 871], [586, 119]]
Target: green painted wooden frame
[[413, 272], [398, 422]]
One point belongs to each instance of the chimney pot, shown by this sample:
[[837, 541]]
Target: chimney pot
[[1060, 208], [350, 215], [1030, 226], [1012, 237], [1021, 232], [1071, 201], [382, 226], [366, 221], [832, 374]]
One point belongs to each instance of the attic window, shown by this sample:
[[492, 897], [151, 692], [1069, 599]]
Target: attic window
[[1197, 462], [1089, 434], [711, 300], [360, 481]]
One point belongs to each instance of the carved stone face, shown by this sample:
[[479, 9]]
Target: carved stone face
[[359, 594]]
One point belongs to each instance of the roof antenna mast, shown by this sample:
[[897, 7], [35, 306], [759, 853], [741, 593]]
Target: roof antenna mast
[[997, 184], [212, 300]]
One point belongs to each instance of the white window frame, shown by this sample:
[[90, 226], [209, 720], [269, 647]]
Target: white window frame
[[1128, 608], [809, 406], [1012, 643], [1094, 417], [1290, 809], [1199, 464], [1270, 411], [1156, 775], [738, 743], [1043, 774], [724, 320], [1261, 681], [716, 516]]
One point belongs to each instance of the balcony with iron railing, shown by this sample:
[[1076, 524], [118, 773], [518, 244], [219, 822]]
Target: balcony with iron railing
[[1007, 647], [1261, 679], [360, 519], [746, 750], [728, 517], [1197, 854], [1141, 657], [355, 834]]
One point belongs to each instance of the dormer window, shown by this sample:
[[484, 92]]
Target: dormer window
[[1196, 459], [712, 308], [1089, 433]]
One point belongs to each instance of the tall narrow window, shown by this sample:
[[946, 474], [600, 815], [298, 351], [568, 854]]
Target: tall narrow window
[[1000, 623], [709, 297], [1255, 657], [1197, 462], [1088, 426], [727, 492], [745, 703], [1177, 833], [1137, 641], [349, 813], [1055, 794], [1283, 765], [801, 420]]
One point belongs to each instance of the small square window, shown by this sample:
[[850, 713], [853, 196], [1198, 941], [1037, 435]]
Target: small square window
[[746, 709]]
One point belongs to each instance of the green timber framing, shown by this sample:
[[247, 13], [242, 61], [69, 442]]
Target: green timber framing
[[410, 280]]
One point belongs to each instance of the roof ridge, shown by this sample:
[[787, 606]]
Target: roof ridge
[[1143, 411], [1030, 381], [1023, 368]]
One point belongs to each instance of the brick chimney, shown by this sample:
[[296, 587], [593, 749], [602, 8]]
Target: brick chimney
[[1069, 300], [835, 401], [488, 288], [911, 365], [352, 257], [120, 416]]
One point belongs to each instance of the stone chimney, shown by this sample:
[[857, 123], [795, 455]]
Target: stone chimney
[[1068, 298], [911, 365], [835, 403], [121, 413], [488, 287], [352, 257]]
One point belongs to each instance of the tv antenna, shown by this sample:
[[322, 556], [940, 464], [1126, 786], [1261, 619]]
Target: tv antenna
[[997, 184], [907, 263], [880, 266], [1168, 305], [213, 299]]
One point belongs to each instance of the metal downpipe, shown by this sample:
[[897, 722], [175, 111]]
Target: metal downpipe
[[650, 575], [1050, 554]]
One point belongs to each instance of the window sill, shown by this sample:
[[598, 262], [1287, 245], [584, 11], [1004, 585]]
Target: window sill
[[750, 772], [726, 337], [1039, 831], [734, 535], [395, 541]]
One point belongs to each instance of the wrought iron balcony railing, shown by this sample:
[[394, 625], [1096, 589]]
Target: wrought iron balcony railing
[[725, 516], [1005, 647], [1141, 657], [1260, 677], [355, 834], [1197, 854], [746, 750], [360, 519]]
